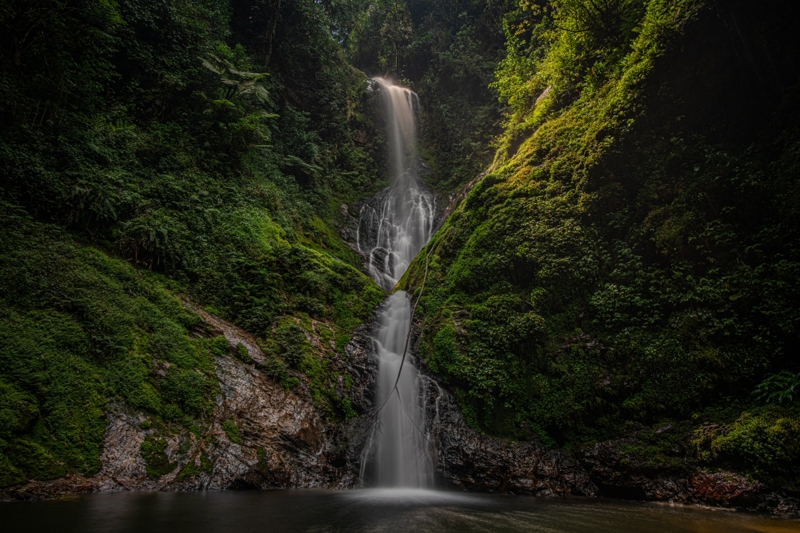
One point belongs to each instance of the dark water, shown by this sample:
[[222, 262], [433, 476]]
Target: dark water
[[367, 510]]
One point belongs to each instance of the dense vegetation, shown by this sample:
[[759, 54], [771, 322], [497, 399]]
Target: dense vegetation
[[633, 253], [167, 136], [447, 53]]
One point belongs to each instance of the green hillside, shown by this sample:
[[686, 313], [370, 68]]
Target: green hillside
[[632, 255]]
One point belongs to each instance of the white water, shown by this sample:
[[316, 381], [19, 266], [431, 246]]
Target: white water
[[392, 234]]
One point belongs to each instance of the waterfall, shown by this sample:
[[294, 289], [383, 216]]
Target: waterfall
[[399, 221], [392, 229]]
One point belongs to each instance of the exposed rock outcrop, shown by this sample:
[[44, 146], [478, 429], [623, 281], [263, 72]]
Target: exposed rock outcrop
[[475, 462], [619, 474], [282, 438], [471, 461], [353, 218]]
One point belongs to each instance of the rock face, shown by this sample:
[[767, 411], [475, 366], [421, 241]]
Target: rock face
[[352, 222], [471, 461], [283, 440], [618, 475]]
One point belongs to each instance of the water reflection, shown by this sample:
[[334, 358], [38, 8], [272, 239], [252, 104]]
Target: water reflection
[[389, 510]]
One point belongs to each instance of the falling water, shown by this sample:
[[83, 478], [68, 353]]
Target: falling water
[[393, 228]]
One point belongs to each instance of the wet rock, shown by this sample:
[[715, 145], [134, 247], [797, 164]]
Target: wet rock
[[348, 226], [725, 489], [472, 461], [619, 475], [360, 221], [285, 441], [123, 466], [622, 475], [235, 336], [475, 462]]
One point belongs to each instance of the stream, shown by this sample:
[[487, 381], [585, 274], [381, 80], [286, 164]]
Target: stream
[[373, 510]]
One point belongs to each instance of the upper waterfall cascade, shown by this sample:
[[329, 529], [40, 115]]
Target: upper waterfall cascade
[[392, 229], [395, 228]]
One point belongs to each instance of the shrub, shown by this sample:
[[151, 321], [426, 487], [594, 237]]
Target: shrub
[[782, 387], [764, 442], [157, 462]]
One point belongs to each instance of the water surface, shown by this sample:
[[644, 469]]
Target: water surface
[[377, 510]]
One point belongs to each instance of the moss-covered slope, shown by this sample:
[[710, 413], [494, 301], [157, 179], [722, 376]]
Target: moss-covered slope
[[633, 253], [80, 330]]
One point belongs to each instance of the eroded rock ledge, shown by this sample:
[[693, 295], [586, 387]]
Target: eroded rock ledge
[[471, 461]]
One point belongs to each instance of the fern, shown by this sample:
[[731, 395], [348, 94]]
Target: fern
[[779, 388]]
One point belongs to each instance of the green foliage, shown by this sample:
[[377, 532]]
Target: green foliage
[[243, 354], [190, 165], [77, 329], [185, 389], [232, 431], [446, 51], [666, 446], [262, 465], [157, 462], [445, 355], [18, 410], [292, 343], [192, 469], [375, 33], [632, 252], [763, 442], [169, 134], [780, 387]]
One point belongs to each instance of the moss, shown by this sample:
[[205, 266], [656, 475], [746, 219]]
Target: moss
[[325, 334], [192, 469], [263, 465], [18, 410], [763, 442], [243, 354], [292, 343], [187, 390], [218, 345], [445, 355], [99, 335], [105, 331], [341, 342], [232, 206], [157, 462], [582, 283], [232, 431], [665, 446], [9, 474]]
